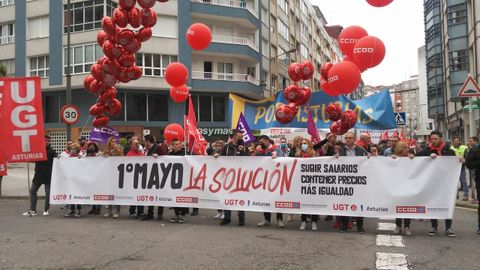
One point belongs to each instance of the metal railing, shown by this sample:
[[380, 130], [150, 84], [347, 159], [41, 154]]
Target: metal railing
[[228, 3], [7, 39], [235, 40], [225, 77]]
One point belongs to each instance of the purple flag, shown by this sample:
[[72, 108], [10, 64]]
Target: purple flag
[[311, 129], [102, 134], [243, 127]]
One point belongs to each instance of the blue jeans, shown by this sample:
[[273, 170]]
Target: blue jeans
[[463, 182]]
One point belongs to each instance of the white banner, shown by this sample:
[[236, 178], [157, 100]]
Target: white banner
[[348, 186]]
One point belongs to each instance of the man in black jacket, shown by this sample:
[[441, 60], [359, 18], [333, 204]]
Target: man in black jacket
[[473, 163], [178, 150], [350, 149], [233, 148], [43, 176], [438, 147]]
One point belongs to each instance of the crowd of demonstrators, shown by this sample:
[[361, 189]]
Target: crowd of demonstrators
[[300, 147]]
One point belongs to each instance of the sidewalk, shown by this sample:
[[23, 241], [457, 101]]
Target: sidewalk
[[14, 186]]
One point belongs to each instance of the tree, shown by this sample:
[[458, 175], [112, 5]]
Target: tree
[[3, 71]]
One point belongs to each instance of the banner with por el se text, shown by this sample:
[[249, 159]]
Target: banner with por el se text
[[351, 186]]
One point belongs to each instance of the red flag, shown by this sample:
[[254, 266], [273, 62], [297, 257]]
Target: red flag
[[311, 129], [3, 155], [23, 119], [384, 136], [395, 133], [402, 137], [195, 142]]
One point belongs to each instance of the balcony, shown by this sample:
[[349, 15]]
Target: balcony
[[242, 9], [226, 82], [235, 40], [7, 40]]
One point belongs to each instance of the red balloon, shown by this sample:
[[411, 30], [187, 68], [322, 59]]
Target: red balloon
[[162, 1], [112, 66], [292, 93], [108, 25], [127, 60], [173, 131], [344, 77], [325, 86], [101, 60], [114, 106], [97, 109], [134, 72], [135, 17], [109, 80], [334, 112], [125, 37], [144, 34], [294, 72], [127, 4], [149, 17], [111, 50], [133, 47], [108, 94], [199, 36], [324, 70], [122, 77], [101, 121], [176, 74], [349, 37], [307, 70], [97, 72], [120, 17], [305, 96], [379, 3], [146, 3], [101, 37], [369, 52], [179, 94], [338, 128], [87, 82], [97, 86], [285, 113], [349, 118]]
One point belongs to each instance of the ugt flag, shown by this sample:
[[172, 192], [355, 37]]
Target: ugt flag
[[243, 127]]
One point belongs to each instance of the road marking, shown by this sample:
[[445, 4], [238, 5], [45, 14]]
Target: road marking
[[386, 226], [390, 240], [393, 261], [469, 209]]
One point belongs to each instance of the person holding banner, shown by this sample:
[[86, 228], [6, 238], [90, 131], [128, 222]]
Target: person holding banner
[[438, 147], [177, 150], [297, 146], [112, 150], [43, 176], [393, 143], [233, 148], [402, 150], [270, 150], [350, 149], [306, 151], [135, 150], [73, 152], [473, 163]]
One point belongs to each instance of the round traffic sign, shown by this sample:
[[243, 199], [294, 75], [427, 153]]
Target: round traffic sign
[[70, 114]]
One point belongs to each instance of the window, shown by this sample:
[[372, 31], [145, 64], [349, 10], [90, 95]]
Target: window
[[9, 64], [283, 30], [82, 57], [87, 15], [457, 14], [6, 2], [157, 107], [224, 69], [39, 66], [7, 33], [51, 107], [304, 31], [283, 4], [209, 108], [154, 64], [167, 26], [38, 27], [458, 60], [303, 7], [303, 51], [136, 107]]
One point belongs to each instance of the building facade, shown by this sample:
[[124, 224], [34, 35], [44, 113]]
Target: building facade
[[253, 43]]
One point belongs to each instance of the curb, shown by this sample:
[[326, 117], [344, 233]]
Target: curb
[[464, 205]]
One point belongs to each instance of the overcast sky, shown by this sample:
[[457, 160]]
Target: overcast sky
[[399, 25]]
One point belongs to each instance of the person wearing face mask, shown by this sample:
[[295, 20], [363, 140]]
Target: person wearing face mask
[[135, 150], [233, 148], [112, 149], [283, 150], [66, 152], [92, 150], [43, 176], [306, 151]]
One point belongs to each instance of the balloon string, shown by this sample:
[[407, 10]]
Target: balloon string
[[85, 125]]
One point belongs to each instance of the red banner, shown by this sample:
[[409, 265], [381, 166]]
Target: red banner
[[22, 114], [3, 157], [195, 142]]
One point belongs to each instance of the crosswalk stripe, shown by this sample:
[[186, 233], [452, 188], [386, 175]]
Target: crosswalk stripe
[[390, 240], [386, 226], [391, 261]]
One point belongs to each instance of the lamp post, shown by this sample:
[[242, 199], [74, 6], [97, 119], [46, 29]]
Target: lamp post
[[68, 75]]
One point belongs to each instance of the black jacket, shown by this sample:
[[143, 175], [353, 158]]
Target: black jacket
[[445, 151], [231, 149], [43, 169], [359, 151], [473, 162], [330, 148]]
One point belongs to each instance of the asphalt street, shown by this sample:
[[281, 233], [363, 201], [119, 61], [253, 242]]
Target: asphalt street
[[92, 242]]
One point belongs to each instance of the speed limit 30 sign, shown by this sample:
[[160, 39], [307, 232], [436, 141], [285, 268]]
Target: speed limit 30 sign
[[70, 114]]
